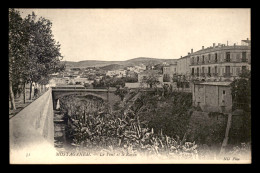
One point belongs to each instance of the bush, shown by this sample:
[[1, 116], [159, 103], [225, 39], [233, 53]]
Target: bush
[[105, 132]]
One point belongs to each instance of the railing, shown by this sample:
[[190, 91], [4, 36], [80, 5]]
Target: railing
[[227, 74], [209, 75], [202, 74], [244, 60], [215, 74], [227, 60]]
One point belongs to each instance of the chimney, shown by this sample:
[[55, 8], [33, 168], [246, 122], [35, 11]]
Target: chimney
[[188, 53], [218, 44], [234, 44], [247, 39], [191, 50], [202, 47], [213, 45], [227, 43]]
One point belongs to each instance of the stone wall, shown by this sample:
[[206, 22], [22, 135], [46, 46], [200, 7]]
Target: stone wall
[[31, 131]]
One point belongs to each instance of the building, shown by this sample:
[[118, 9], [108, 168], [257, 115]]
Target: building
[[183, 65], [212, 96], [169, 71], [116, 73], [220, 62]]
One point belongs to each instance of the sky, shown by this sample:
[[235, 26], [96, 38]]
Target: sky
[[122, 34]]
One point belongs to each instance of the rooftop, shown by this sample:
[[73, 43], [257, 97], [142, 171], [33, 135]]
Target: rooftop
[[215, 83]]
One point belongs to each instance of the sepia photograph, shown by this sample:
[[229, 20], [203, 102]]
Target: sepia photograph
[[129, 85]]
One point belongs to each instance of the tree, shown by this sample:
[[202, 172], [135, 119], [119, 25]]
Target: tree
[[121, 92], [17, 53], [151, 80], [43, 51], [33, 53], [241, 91]]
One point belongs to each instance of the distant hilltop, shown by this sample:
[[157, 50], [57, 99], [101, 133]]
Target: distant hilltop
[[131, 62]]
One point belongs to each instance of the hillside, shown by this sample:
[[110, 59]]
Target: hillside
[[112, 67], [131, 62]]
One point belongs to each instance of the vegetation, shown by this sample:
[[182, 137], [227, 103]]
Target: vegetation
[[33, 53], [241, 91], [101, 130], [108, 81], [150, 80]]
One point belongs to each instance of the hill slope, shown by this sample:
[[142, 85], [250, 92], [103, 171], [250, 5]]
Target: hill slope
[[131, 62]]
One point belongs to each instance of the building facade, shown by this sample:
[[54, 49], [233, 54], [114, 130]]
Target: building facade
[[212, 96], [221, 62], [183, 65], [169, 71]]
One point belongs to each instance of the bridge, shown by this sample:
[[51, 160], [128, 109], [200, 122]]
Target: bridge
[[105, 94]]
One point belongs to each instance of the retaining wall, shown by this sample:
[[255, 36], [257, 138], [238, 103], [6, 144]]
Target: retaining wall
[[31, 131]]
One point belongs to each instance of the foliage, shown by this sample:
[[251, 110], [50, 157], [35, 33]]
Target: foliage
[[121, 92], [241, 91], [33, 52], [42, 50], [106, 132], [241, 151], [151, 80], [169, 113], [207, 129], [17, 53]]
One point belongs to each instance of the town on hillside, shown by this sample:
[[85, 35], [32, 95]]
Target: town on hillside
[[159, 107], [217, 65]]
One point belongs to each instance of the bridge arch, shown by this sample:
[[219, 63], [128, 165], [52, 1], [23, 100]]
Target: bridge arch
[[60, 95]]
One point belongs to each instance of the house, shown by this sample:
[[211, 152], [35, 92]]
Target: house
[[169, 71], [212, 96], [116, 73]]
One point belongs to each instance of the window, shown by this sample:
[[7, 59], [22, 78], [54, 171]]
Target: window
[[203, 59], [243, 69], [216, 57], [243, 56], [238, 71], [202, 70], [198, 59], [216, 70], [228, 57], [224, 92], [209, 57], [227, 70], [208, 70], [192, 71]]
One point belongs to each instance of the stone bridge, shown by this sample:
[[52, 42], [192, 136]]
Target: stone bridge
[[105, 94]]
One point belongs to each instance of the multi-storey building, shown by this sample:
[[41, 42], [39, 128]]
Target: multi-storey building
[[169, 71], [221, 62], [183, 65]]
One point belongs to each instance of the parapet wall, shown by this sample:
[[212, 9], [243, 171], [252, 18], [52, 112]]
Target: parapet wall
[[31, 131]]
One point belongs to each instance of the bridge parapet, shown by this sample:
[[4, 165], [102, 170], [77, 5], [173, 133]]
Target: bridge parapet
[[32, 130], [104, 94]]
